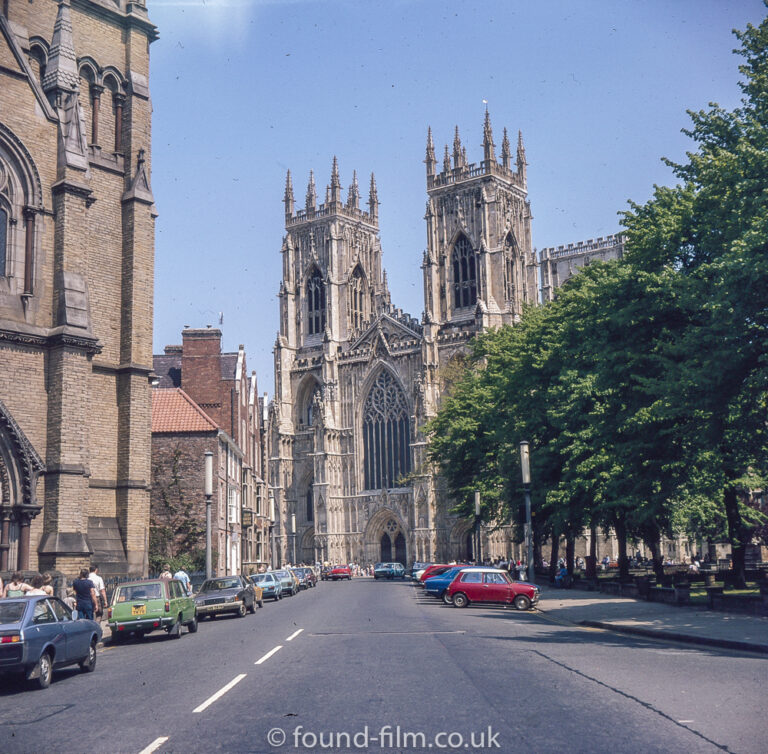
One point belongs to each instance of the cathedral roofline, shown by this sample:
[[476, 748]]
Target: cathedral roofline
[[332, 209]]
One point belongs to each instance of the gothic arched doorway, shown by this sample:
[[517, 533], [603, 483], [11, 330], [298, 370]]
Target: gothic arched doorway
[[385, 538], [400, 554], [386, 548]]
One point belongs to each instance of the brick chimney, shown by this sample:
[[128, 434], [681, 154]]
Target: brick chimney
[[201, 369]]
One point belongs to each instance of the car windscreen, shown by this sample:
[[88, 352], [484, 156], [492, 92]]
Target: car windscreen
[[216, 584], [139, 592], [11, 612], [261, 577]]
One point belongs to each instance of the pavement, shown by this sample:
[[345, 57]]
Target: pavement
[[654, 620]]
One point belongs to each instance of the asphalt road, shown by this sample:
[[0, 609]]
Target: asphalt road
[[383, 667]]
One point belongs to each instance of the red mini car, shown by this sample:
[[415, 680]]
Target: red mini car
[[491, 585], [434, 570], [340, 572]]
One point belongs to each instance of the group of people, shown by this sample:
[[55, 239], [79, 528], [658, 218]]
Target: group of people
[[88, 595], [180, 575]]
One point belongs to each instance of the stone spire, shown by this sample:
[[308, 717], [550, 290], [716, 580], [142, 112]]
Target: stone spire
[[335, 182], [457, 153], [521, 163], [311, 193], [446, 160], [373, 200], [353, 195], [61, 72], [288, 198], [506, 152], [489, 155], [430, 158]]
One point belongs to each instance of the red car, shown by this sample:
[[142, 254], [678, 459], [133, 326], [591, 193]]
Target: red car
[[340, 572], [491, 585], [434, 570]]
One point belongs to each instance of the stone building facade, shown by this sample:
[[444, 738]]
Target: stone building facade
[[77, 222], [219, 384], [356, 378]]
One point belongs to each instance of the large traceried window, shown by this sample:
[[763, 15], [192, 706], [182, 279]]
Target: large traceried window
[[3, 240], [386, 435], [356, 299], [315, 303], [464, 274]]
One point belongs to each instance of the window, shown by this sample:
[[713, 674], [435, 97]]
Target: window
[[464, 274], [494, 578], [472, 577], [3, 240], [308, 414], [356, 299], [63, 613], [43, 613], [386, 434], [310, 504], [315, 303]]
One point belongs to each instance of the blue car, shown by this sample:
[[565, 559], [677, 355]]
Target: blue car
[[38, 635], [270, 585], [437, 585]]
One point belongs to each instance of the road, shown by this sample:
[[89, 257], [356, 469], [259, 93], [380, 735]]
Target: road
[[394, 671]]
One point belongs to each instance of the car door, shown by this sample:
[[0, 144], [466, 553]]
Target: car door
[[45, 629], [494, 588], [77, 632]]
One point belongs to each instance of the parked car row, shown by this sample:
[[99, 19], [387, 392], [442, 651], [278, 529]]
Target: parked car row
[[461, 585]]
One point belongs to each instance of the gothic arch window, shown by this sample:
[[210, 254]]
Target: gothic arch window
[[357, 296], [510, 263], [311, 394], [316, 311], [3, 238], [386, 434], [310, 503], [464, 274]]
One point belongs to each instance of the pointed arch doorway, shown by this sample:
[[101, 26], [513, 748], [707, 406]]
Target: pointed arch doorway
[[385, 538]]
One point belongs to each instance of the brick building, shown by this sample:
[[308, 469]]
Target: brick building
[[219, 384], [76, 284]]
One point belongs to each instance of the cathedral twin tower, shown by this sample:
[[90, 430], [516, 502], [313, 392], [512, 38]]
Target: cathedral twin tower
[[356, 379]]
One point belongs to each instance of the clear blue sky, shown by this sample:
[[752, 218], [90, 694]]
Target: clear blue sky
[[245, 89]]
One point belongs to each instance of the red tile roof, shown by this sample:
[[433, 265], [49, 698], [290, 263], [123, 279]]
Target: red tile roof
[[174, 411]]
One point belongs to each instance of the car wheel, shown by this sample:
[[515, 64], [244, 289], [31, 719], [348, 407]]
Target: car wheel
[[522, 602], [175, 630], [241, 610], [261, 604], [252, 608], [43, 671], [460, 599], [88, 665], [192, 625], [447, 598]]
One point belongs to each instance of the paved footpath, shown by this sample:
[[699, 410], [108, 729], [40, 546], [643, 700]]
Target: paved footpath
[[638, 617]]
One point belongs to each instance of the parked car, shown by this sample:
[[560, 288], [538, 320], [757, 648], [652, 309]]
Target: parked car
[[388, 571], [287, 581], [139, 607], [434, 570], [340, 572], [491, 585], [325, 573], [269, 583], [306, 576], [38, 635], [437, 586], [418, 567], [228, 594]]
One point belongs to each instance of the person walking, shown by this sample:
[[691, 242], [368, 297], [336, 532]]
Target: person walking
[[48, 584], [37, 586], [183, 577], [85, 595], [101, 592], [16, 587]]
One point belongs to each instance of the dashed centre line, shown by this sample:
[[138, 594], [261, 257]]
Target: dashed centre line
[[211, 699], [156, 744], [294, 635], [268, 654]]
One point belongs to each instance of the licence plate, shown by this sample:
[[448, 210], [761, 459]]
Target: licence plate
[[139, 610]]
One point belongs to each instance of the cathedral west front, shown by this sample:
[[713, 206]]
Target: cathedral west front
[[356, 378]]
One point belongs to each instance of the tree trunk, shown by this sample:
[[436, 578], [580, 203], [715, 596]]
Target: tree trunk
[[570, 549], [621, 537], [553, 557], [658, 562], [737, 535], [592, 558]]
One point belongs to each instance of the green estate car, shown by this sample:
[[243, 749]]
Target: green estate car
[[139, 607]]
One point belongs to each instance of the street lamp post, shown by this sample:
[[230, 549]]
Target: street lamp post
[[525, 465], [293, 530], [272, 560], [208, 494], [478, 549]]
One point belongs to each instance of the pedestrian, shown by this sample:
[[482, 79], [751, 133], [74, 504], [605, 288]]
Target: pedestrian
[[48, 584], [166, 574], [85, 595], [16, 587], [37, 586], [101, 591], [183, 577]]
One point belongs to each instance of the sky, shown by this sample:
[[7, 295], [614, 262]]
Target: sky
[[243, 90]]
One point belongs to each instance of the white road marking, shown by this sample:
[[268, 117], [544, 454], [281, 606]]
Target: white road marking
[[268, 654], [686, 721], [294, 634], [156, 744], [208, 702]]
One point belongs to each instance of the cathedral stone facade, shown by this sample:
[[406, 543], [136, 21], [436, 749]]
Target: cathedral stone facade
[[356, 378], [76, 284]]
